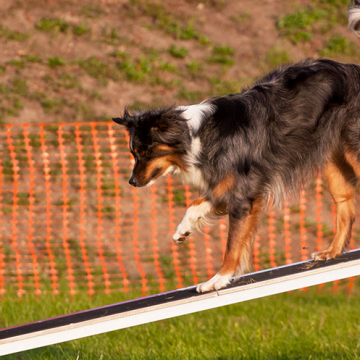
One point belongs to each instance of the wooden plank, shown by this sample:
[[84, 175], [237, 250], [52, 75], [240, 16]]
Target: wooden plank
[[175, 303]]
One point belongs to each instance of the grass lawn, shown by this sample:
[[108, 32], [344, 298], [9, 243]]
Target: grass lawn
[[296, 325]]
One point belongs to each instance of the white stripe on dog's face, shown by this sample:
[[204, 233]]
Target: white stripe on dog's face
[[195, 114]]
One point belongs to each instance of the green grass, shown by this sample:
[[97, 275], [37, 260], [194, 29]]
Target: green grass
[[66, 81], [224, 87], [55, 61], [275, 57], [222, 55], [81, 30], [33, 58], [10, 101], [164, 20], [110, 36], [298, 24], [194, 67], [168, 66], [301, 19], [92, 11], [20, 87], [16, 90], [339, 45], [241, 18], [192, 96], [148, 69], [13, 35], [54, 25], [296, 325], [223, 50], [53, 105], [97, 69], [180, 52], [320, 17], [19, 63]]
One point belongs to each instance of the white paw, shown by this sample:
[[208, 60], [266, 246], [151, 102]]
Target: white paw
[[180, 238], [324, 255], [193, 218], [216, 283], [183, 231]]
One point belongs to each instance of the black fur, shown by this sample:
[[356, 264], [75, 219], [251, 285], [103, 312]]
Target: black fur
[[273, 136], [284, 129]]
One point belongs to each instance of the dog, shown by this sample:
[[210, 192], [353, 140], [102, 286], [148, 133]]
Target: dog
[[262, 144]]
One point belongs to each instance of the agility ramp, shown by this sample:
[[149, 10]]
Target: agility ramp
[[175, 303]]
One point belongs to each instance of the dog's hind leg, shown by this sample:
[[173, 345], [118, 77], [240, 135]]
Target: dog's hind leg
[[237, 259], [194, 217], [341, 179]]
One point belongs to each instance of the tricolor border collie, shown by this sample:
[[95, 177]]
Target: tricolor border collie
[[262, 144]]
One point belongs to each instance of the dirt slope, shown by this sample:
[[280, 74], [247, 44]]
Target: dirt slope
[[66, 61]]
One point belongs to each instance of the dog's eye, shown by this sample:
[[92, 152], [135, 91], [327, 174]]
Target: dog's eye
[[142, 152]]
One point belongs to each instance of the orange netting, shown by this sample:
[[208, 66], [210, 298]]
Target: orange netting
[[70, 222]]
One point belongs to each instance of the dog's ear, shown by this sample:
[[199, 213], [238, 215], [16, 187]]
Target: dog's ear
[[126, 120], [160, 125], [121, 121], [165, 120], [168, 126]]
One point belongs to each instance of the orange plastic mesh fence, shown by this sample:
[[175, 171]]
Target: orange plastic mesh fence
[[71, 223]]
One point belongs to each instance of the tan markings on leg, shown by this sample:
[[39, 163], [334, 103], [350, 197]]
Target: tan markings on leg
[[352, 159], [226, 184], [240, 240], [341, 186], [198, 201], [238, 249]]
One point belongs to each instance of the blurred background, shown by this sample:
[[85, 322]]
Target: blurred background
[[66, 61]]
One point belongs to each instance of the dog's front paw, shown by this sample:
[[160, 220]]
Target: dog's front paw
[[183, 231], [325, 255], [180, 238], [216, 283]]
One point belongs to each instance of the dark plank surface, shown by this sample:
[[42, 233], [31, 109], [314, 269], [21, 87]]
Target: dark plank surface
[[170, 296]]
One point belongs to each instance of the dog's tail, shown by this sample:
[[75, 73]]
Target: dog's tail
[[354, 17]]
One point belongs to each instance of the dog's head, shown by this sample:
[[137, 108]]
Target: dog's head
[[158, 142]]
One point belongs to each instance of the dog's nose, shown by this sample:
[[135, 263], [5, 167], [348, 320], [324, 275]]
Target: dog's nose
[[133, 181]]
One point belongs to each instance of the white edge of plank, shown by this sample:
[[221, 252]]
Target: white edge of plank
[[181, 307]]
